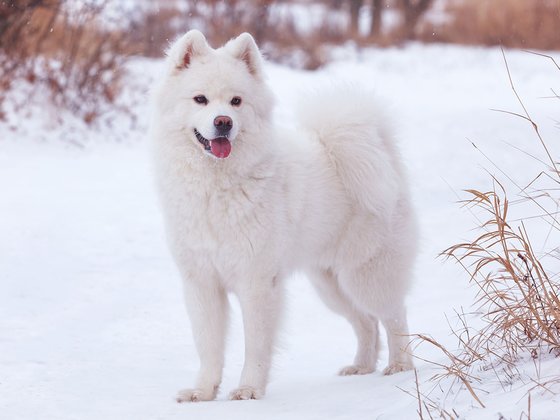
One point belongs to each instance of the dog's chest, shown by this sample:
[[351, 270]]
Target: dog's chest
[[224, 220]]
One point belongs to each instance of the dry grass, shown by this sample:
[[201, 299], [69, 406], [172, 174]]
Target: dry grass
[[66, 53], [517, 289], [531, 24]]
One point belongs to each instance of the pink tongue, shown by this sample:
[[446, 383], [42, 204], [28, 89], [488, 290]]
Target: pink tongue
[[220, 147]]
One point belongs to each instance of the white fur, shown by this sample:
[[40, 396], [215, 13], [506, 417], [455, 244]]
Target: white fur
[[330, 199]]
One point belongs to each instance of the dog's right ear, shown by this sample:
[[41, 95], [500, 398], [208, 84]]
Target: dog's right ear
[[190, 45]]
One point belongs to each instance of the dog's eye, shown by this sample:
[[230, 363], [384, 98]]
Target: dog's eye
[[236, 101], [201, 99]]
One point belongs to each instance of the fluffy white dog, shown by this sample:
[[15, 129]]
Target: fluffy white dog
[[247, 203]]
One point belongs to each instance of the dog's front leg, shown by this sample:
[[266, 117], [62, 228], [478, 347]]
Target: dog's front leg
[[261, 302], [207, 305]]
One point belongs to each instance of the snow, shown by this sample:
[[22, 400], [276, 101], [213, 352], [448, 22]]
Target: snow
[[92, 323]]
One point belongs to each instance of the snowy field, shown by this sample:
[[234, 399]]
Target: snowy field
[[92, 323]]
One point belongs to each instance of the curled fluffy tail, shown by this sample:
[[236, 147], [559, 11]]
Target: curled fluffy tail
[[356, 136]]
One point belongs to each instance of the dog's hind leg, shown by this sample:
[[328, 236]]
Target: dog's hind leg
[[378, 288], [397, 337], [365, 326], [207, 305]]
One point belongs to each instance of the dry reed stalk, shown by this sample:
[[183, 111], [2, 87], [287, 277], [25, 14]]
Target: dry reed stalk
[[427, 406]]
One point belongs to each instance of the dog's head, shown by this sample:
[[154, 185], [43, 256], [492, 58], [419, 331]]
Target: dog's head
[[215, 97]]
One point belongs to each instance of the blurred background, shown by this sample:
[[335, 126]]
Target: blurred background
[[92, 324], [75, 50]]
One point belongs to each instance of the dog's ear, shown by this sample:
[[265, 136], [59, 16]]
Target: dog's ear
[[244, 48], [190, 45]]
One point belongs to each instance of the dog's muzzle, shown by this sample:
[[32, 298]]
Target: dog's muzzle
[[220, 147]]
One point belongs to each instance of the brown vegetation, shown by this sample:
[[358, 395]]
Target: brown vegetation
[[514, 23], [65, 52], [70, 50], [530, 24]]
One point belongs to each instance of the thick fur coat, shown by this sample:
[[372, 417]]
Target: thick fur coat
[[247, 203]]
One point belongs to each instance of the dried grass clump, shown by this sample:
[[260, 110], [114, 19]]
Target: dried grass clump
[[518, 299], [518, 290], [64, 49], [513, 23]]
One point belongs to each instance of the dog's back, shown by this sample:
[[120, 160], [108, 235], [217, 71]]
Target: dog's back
[[357, 139]]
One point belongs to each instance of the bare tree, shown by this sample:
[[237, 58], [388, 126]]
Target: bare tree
[[261, 19], [412, 11], [355, 6], [376, 18]]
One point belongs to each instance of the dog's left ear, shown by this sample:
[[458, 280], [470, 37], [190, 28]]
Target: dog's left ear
[[244, 48]]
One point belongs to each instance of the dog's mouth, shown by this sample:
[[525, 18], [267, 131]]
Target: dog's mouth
[[219, 147]]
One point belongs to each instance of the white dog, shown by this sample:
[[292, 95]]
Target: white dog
[[247, 203]]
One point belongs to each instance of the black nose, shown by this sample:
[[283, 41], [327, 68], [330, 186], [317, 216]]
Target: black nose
[[223, 124]]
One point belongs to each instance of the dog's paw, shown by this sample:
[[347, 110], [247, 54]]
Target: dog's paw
[[397, 367], [245, 393], [355, 370], [195, 395]]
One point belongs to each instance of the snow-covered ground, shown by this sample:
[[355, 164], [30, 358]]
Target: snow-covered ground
[[92, 324]]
